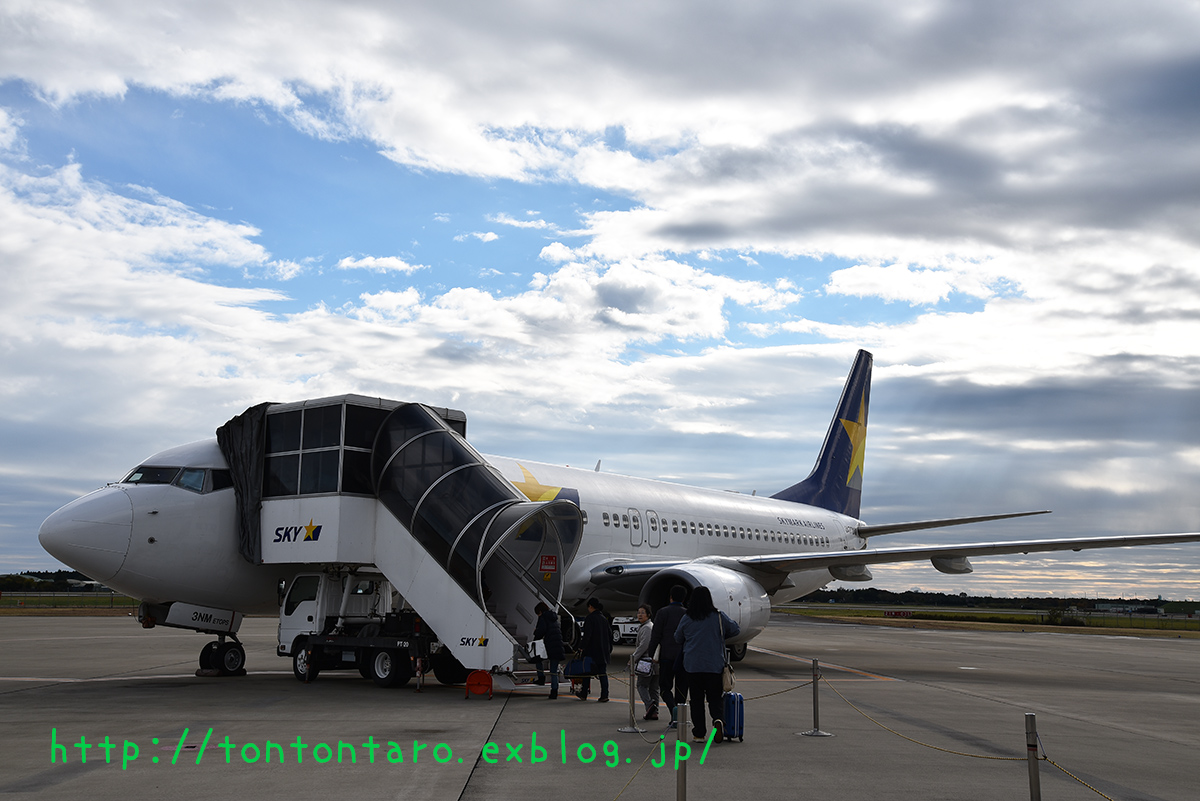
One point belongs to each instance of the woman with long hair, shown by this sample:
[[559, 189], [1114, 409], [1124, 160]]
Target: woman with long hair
[[702, 632]]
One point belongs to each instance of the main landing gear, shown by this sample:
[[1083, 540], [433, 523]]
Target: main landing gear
[[221, 658]]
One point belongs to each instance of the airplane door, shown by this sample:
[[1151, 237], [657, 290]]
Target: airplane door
[[635, 527], [654, 535], [298, 615]]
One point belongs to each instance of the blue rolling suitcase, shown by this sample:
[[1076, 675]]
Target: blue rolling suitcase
[[734, 722]]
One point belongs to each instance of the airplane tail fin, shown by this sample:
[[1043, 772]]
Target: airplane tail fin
[[836, 481]]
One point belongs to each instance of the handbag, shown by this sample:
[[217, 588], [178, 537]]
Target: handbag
[[644, 667], [727, 677], [537, 650]]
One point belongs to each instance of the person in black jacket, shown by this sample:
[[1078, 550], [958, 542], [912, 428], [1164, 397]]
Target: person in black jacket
[[663, 638], [596, 643], [548, 631]]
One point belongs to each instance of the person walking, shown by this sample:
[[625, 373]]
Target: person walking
[[548, 631], [647, 683], [672, 678], [596, 643], [702, 633]]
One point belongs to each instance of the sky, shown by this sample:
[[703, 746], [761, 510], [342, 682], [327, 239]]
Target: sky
[[649, 234]]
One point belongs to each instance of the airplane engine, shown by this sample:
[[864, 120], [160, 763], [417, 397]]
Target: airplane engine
[[735, 594]]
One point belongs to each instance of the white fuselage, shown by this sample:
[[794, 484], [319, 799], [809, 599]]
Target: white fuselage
[[163, 542]]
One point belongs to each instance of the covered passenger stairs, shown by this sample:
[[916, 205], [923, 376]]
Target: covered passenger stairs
[[463, 546]]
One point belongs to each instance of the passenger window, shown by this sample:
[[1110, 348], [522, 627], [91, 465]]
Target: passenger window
[[191, 478], [637, 522], [625, 521], [675, 526], [654, 524], [604, 518]]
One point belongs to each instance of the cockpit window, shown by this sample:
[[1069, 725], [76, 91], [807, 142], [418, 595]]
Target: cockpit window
[[151, 475], [191, 478], [222, 479]]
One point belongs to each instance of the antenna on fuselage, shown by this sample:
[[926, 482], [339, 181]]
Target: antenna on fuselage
[[597, 470]]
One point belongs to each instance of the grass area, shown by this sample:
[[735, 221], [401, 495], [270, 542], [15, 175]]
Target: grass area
[[1004, 620], [33, 603]]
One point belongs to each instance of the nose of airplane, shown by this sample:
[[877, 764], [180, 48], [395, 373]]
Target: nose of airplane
[[91, 534]]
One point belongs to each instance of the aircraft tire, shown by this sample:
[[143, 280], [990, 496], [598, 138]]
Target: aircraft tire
[[301, 668], [737, 652], [231, 659], [206, 655], [447, 669]]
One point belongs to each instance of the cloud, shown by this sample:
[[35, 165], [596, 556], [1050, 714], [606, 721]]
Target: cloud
[[10, 133], [379, 264], [505, 219], [482, 236], [557, 252], [1037, 162]]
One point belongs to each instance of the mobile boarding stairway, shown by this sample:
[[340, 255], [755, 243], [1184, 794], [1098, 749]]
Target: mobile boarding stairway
[[353, 483]]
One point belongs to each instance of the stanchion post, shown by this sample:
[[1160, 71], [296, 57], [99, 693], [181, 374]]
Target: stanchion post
[[632, 728], [681, 736], [815, 731], [1031, 753]]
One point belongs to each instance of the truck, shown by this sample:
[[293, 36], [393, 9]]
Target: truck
[[353, 620]]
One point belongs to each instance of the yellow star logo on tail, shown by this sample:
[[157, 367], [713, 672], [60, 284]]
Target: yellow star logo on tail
[[857, 431]]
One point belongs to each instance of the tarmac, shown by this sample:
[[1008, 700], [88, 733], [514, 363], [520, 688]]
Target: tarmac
[[1121, 713]]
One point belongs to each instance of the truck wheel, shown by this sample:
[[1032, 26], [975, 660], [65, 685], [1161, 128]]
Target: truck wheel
[[389, 668], [302, 668], [447, 669], [616, 635], [363, 657], [231, 659]]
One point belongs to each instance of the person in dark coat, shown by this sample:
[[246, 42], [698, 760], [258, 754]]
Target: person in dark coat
[[548, 631], [702, 633], [596, 642], [672, 680]]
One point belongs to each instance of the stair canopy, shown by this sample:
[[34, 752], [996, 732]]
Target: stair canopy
[[467, 516]]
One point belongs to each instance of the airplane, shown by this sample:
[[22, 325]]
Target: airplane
[[218, 525]]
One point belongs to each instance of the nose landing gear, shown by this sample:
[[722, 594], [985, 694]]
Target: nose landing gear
[[221, 658]]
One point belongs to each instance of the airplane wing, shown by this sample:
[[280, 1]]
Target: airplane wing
[[920, 525], [787, 563], [627, 575]]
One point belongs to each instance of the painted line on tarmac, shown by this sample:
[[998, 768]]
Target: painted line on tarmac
[[192, 675], [825, 664]]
